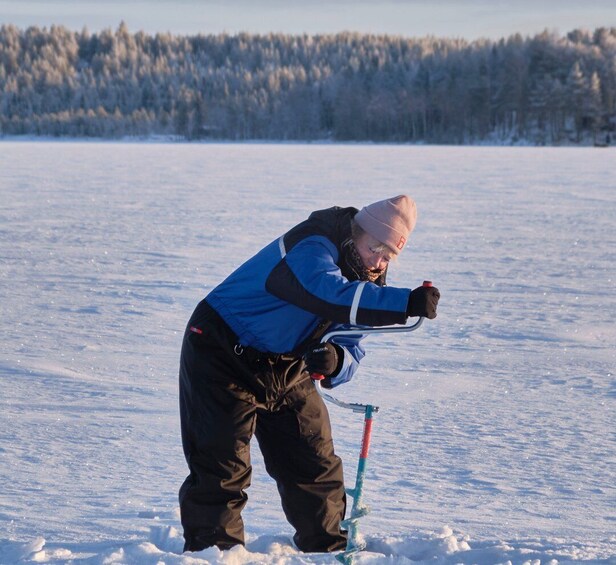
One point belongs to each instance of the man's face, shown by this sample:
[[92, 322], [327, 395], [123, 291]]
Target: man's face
[[374, 255]]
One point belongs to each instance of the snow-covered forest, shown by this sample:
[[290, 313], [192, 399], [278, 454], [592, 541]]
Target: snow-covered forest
[[546, 89]]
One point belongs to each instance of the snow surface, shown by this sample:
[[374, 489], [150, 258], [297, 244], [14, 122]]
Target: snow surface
[[496, 440]]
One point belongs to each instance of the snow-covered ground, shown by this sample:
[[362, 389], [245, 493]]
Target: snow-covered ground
[[496, 437]]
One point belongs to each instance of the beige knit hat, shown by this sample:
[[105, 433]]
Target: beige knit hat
[[390, 221]]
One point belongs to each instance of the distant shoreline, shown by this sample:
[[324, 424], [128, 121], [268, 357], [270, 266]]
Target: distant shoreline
[[178, 140]]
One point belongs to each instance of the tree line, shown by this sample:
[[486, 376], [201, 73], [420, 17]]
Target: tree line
[[547, 89]]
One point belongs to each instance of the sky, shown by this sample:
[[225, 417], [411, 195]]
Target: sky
[[470, 19]]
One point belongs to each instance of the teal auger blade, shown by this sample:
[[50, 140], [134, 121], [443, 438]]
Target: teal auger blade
[[347, 556], [355, 517]]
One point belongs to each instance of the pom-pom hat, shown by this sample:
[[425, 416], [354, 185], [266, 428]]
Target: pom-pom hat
[[390, 221]]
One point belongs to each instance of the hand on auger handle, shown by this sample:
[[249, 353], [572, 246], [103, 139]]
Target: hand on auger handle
[[354, 544]]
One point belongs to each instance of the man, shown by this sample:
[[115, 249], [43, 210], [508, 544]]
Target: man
[[249, 350]]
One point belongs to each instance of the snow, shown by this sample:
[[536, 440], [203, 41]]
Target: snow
[[495, 442]]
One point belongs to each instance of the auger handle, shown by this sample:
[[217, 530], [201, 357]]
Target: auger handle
[[360, 331]]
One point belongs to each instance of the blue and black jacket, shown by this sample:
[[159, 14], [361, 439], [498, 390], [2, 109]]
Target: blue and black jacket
[[276, 300]]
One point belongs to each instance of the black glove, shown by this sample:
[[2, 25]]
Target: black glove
[[324, 359], [423, 301]]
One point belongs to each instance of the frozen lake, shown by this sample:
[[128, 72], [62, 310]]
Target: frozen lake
[[497, 419]]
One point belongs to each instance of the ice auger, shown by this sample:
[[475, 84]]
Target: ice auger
[[354, 542]]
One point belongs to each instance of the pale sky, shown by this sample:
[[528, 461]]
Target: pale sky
[[449, 18]]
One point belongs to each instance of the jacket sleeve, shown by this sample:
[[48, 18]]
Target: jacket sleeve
[[353, 354], [308, 277]]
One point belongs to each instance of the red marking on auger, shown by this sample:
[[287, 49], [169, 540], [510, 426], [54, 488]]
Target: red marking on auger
[[365, 444], [195, 330]]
